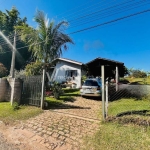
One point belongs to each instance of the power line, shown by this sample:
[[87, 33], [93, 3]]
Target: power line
[[23, 47], [72, 9], [112, 21], [97, 6], [101, 10], [88, 8], [105, 14]]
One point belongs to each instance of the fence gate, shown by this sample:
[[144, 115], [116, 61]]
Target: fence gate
[[31, 91]]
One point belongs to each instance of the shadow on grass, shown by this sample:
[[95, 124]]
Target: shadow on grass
[[68, 99], [136, 83], [60, 105], [134, 112], [92, 98]]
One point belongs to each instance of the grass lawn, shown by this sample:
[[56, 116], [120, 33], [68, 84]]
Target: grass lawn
[[139, 80], [124, 105], [8, 115], [113, 136], [68, 96], [116, 136]]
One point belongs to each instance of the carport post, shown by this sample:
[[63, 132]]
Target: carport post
[[103, 91], [43, 88], [117, 78]]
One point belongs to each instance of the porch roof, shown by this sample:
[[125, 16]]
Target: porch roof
[[68, 60]]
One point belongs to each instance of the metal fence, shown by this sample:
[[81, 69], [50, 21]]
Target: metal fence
[[31, 91], [129, 99]]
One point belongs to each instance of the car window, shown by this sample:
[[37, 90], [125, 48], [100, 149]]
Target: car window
[[90, 83]]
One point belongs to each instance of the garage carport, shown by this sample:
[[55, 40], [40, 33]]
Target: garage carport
[[106, 68]]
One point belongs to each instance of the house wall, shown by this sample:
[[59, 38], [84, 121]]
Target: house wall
[[62, 67]]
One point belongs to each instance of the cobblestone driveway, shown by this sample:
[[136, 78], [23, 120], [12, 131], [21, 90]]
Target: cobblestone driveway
[[61, 129]]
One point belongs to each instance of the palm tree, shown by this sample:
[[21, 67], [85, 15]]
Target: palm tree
[[45, 42]]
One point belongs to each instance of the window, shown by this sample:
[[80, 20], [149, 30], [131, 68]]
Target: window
[[71, 73], [90, 83]]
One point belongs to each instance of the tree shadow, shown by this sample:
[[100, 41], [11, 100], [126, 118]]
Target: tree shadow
[[135, 83], [92, 98], [68, 99], [59, 105], [71, 94], [134, 112]]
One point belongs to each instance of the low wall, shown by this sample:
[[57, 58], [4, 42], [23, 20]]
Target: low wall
[[10, 89], [4, 88]]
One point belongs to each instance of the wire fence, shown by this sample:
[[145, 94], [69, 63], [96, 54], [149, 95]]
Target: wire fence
[[128, 100]]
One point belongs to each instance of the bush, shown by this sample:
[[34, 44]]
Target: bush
[[83, 78], [3, 71], [57, 90], [15, 106], [138, 73], [34, 68]]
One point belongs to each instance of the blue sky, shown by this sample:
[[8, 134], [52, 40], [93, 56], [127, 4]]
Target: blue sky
[[127, 41]]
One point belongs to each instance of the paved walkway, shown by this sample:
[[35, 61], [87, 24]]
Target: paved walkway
[[58, 129]]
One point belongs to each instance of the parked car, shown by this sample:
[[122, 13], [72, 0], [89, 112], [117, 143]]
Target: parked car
[[91, 87]]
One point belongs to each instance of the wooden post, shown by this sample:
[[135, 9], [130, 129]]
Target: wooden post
[[117, 78], [103, 91], [43, 88], [12, 90], [106, 98]]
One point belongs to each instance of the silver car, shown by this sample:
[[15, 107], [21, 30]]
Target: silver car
[[91, 87]]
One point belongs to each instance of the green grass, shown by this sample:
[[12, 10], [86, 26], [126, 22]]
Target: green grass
[[121, 136], [8, 115], [113, 136], [68, 96], [139, 80], [124, 105]]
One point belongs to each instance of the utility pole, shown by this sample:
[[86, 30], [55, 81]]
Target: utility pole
[[12, 70]]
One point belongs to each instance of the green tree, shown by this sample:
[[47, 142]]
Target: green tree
[[137, 73], [8, 21], [45, 42]]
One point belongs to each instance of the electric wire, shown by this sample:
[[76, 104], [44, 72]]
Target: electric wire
[[121, 5], [112, 21], [104, 15]]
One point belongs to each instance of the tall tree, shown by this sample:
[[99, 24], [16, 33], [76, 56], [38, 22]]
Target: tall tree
[[48, 40], [8, 21]]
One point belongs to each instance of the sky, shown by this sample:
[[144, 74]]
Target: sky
[[127, 40]]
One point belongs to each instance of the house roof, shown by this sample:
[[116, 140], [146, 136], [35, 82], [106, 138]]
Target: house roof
[[105, 61], [68, 60]]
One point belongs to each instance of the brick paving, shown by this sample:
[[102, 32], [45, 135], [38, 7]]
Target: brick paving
[[59, 129]]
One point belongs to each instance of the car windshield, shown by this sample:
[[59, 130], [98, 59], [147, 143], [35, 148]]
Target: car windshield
[[90, 83]]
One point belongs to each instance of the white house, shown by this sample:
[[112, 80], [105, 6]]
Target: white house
[[66, 70]]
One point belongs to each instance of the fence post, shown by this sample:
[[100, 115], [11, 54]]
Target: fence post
[[12, 90], [106, 99], [103, 91], [117, 78], [43, 88]]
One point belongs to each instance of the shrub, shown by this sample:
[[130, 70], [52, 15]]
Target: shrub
[[138, 73], [57, 90], [3, 71], [15, 106], [34, 68]]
